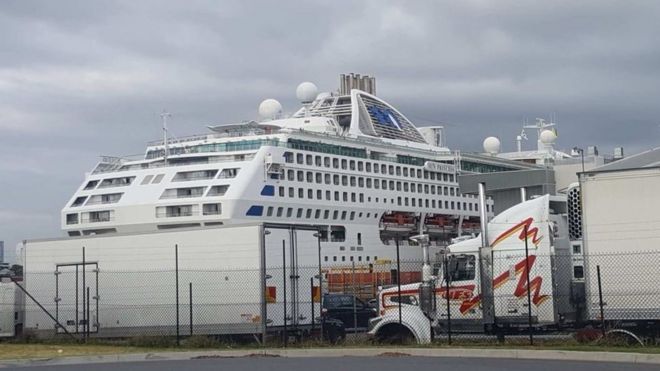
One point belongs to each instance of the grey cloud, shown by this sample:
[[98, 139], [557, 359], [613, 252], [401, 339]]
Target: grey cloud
[[83, 78]]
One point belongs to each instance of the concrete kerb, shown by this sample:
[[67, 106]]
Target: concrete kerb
[[558, 355]]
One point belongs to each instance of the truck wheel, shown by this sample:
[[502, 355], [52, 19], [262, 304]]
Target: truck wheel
[[395, 334]]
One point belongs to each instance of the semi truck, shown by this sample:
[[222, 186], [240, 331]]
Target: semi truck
[[530, 269]]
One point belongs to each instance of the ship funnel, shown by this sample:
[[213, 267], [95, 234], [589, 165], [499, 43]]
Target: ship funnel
[[355, 81]]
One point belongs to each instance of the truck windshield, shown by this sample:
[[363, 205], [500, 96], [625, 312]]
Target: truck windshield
[[461, 267]]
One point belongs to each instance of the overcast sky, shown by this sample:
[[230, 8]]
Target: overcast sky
[[79, 79]]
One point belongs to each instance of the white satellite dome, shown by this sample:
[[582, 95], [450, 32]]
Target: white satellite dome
[[270, 108], [548, 137], [306, 92], [492, 145]]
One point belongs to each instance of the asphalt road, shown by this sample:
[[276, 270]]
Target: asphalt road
[[382, 363]]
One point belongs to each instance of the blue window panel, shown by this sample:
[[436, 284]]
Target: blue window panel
[[268, 190], [255, 210]]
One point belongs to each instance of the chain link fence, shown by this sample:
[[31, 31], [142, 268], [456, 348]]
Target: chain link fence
[[536, 298]]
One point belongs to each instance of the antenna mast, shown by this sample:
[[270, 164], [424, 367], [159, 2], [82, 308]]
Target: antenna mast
[[164, 116]]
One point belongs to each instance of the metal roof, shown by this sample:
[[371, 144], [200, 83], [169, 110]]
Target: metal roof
[[646, 159]]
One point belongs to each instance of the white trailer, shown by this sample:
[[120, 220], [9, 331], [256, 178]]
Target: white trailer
[[125, 284], [11, 304], [621, 231], [541, 224]]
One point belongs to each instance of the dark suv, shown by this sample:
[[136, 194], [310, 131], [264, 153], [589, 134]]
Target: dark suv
[[347, 308]]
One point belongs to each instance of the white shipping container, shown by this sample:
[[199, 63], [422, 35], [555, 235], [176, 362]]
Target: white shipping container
[[132, 281]]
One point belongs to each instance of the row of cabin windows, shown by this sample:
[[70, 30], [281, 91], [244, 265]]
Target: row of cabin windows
[[187, 210], [369, 167], [155, 179], [90, 217], [362, 182], [343, 258], [300, 212], [327, 195]]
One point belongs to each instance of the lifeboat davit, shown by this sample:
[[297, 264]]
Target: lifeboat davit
[[398, 222]]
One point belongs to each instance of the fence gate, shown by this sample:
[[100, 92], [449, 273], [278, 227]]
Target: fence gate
[[77, 297]]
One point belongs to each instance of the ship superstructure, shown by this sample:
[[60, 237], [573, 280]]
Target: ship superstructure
[[347, 162]]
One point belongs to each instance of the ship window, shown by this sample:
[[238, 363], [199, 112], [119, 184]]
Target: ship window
[[301, 193], [228, 173], [317, 214], [308, 214], [335, 214], [299, 158], [451, 191], [446, 204], [405, 171], [117, 182], [452, 205], [104, 199], [97, 216], [71, 219], [336, 196], [384, 184], [352, 181], [343, 215], [310, 193], [79, 201], [288, 157], [343, 258], [91, 184], [398, 170], [345, 196], [325, 258], [269, 211], [146, 179], [352, 196], [405, 186], [319, 178], [391, 169], [319, 194], [326, 214], [391, 185], [289, 212], [309, 159], [299, 213], [376, 168], [360, 166], [183, 192], [337, 233], [290, 175], [359, 238], [361, 197], [376, 184], [405, 201], [280, 210], [211, 209], [367, 167], [413, 201], [326, 161], [300, 175], [344, 180], [317, 160], [352, 215], [368, 182], [194, 175], [343, 164], [470, 206], [328, 195], [351, 165], [281, 191], [310, 177]]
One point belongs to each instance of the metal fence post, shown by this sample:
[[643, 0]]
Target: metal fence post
[[286, 333], [447, 283], [191, 307], [176, 274], [311, 290], [88, 317], [600, 301], [398, 279], [84, 297], [354, 297], [529, 295]]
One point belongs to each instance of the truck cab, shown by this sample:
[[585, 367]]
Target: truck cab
[[527, 240]]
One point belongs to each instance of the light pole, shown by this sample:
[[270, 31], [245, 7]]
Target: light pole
[[581, 152]]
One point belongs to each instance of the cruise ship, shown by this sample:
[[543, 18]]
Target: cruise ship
[[347, 162]]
